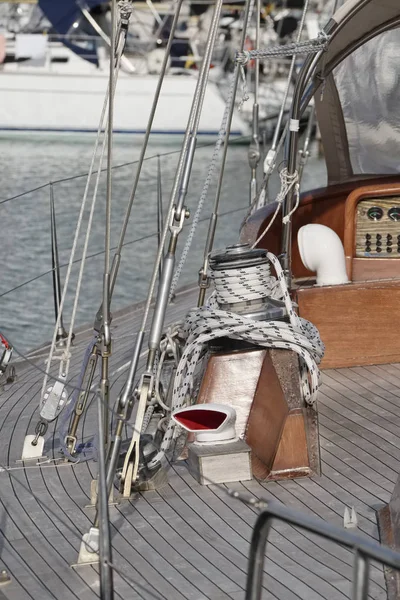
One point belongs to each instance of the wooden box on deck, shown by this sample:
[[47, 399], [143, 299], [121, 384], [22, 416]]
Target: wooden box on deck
[[357, 321], [220, 463]]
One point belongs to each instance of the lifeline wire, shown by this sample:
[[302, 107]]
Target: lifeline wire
[[100, 252], [237, 139], [74, 246]]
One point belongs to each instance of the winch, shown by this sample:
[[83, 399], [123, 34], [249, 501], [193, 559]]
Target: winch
[[243, 283]]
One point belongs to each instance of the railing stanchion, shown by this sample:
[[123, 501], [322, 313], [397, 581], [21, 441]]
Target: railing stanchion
[[256, 558], [360, 576]]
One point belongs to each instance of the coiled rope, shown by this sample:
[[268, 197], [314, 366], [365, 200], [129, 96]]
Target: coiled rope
[[242, 285], [209, 323]]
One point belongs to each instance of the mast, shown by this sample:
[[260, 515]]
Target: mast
[[254, 148], [105, 550]]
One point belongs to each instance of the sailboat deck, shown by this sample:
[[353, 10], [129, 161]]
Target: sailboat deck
[[187, 541]]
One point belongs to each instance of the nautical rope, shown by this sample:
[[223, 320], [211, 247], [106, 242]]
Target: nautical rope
[[311, 46], [243, 284], [205, 324], [287, 182], [261, 198]]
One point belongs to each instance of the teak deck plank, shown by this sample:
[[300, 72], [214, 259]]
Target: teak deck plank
[[186, 541]]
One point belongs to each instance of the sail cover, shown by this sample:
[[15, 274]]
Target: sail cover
[[358, 108], [63, 15], [370, 102]]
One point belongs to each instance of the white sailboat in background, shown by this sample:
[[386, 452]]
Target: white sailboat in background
[[47, 87], [55, 81]]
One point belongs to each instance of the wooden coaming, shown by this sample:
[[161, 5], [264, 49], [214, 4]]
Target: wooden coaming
[[364, 269], [356, 320], [325, 206]]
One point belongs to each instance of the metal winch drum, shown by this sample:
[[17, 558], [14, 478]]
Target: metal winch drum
[[242, 256]]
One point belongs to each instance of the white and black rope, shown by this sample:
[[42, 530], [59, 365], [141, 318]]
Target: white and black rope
[[308, 47], [205, 324], [241, 285]]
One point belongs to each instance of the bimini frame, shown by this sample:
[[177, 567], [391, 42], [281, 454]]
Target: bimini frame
[[352, 26]]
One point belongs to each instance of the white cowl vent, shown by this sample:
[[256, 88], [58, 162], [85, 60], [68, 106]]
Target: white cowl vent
[[322, 252], [209, 422]]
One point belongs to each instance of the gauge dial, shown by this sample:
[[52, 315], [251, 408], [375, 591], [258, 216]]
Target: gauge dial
[[394, 213], [375, 213]]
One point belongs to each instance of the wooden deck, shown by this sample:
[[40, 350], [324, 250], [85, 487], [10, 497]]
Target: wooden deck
[[186, 541]]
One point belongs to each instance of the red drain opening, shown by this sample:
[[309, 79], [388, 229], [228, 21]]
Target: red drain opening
[[195, 420]]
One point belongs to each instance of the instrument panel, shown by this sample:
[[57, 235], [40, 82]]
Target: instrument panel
[[378, 228]]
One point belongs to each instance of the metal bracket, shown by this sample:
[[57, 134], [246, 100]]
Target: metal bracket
[[4, 577], [131, 464], [89, 548], [31, 450], [350, 520], [93, 495], [254, 155], [176, 229], [89, 373]]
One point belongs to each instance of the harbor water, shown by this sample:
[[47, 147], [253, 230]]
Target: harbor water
[[31, 162]]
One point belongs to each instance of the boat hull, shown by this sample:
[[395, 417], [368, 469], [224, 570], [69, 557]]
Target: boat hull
[[47, 102]]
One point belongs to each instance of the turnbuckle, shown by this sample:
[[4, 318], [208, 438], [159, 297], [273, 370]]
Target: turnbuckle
[[254, 155]]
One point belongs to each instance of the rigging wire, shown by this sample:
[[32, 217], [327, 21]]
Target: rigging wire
[[204, 192], [105, 546], [167, 53], [64, 363], [236, 140], [100, 252]]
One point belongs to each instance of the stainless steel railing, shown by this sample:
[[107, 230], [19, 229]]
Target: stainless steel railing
[[364, 549]]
